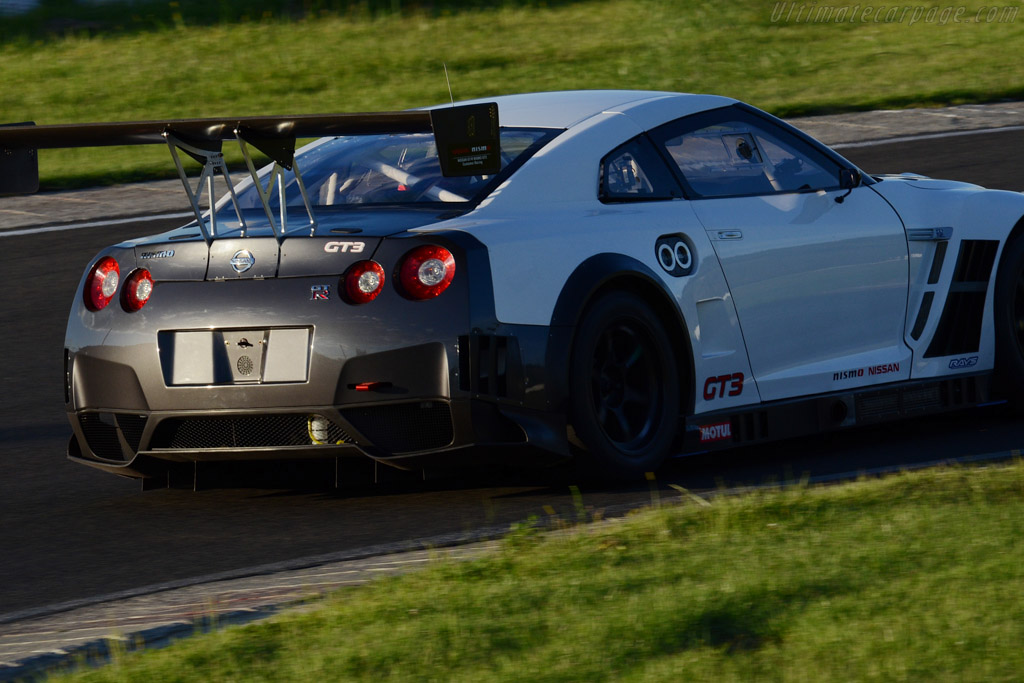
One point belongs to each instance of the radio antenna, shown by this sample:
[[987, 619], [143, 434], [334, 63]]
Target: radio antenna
[[446, 79]]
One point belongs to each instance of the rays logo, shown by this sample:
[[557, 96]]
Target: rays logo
[[960, 363]]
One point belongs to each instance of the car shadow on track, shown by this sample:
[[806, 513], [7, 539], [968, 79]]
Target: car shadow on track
[[890, 447]]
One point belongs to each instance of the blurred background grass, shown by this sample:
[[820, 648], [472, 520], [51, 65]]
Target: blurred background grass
[[66, 62]]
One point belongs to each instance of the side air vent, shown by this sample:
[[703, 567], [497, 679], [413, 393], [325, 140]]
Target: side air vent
[[890, 404], [103, 432], [67, 376], [490, 365], [959, 329], [937, 261], [100, 433], [918, 399], [750, 427], [922, 315], [131, 428]]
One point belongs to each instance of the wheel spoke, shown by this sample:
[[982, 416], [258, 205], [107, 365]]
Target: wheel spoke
[[609, 351], [635, 396], [638, 352], [623, 423], [631, 384]]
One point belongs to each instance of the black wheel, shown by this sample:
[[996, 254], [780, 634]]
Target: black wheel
[[624, 384], [1009, 322]]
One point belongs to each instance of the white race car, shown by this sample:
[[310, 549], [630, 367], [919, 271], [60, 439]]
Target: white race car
[[612, 275]]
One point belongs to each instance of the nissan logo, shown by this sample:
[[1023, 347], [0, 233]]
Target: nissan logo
[[242, 260]]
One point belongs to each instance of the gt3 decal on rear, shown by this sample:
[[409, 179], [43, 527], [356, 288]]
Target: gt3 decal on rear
[[344, 247]]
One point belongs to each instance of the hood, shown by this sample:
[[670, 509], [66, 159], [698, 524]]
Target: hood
[[925, 183]]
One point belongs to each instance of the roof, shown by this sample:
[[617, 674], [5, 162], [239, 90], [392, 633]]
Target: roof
[[563, 109]]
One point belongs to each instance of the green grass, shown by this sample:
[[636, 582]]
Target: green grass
[[915, 577], [189, 60]]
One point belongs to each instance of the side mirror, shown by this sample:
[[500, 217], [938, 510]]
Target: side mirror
[[849, 178]]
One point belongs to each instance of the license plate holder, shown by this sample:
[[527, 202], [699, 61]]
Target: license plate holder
[[235, 356]]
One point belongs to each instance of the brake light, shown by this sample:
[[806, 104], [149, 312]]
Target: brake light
[[426, 271], [364, 280], [136, 290], [101, 284]]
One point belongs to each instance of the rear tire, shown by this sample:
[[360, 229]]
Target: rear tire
[[1009, 324], [624, 388]]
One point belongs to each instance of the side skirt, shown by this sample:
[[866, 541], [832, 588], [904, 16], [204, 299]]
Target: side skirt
[[829, 412]]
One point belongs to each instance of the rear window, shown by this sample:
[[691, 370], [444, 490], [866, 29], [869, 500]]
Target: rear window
[[400, 169]]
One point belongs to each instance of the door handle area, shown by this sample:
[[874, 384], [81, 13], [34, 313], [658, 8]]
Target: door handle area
[[730, 234]]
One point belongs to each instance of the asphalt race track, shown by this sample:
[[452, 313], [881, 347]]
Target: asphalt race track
[[68, 532]]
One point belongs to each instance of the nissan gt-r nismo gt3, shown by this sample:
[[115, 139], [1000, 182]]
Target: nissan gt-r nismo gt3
[[613, 276]]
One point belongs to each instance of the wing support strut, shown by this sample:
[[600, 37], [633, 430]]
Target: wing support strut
[[466, 135], [281, 149], [210, 156]]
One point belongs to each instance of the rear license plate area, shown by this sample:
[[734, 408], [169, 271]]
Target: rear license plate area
[[235, 356]]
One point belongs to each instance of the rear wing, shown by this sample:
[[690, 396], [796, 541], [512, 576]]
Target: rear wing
[[466, 138]]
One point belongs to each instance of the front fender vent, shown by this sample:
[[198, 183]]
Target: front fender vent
[[959, 329]]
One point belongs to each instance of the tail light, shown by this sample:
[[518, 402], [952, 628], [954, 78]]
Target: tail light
[[426, 271], [136, 290], [364, 280], [101, 284]]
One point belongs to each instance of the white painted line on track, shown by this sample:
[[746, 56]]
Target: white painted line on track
[[93, 224], [925, 136]]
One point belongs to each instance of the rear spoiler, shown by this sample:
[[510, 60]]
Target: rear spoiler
[[466, 138]]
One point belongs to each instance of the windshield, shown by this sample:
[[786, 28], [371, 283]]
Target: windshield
[[392, 169]]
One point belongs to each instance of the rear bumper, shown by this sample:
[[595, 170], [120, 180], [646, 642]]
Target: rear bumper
[[431, 405], [405, 434], [409, 383]]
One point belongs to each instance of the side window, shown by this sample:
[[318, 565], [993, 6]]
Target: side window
[[635, 172], [730, 153]]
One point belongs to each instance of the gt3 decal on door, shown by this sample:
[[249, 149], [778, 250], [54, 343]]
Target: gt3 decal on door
[[723, 385]]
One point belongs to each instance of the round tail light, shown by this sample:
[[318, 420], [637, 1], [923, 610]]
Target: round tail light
[[137, 289], [426, 271], [101, 284], [364, 280]]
